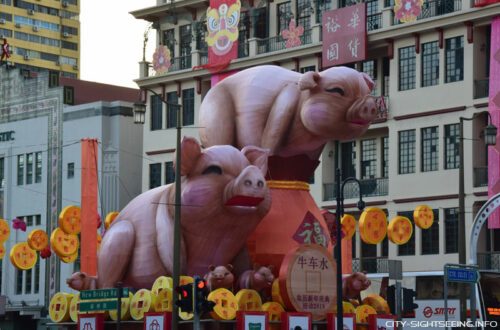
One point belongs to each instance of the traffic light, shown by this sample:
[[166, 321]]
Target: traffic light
[[185, 297], [409, 305], [391, 298], [201, 292]]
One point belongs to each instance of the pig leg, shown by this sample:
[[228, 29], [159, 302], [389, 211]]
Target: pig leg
[[280, 118], [116, 250], [218, 129]]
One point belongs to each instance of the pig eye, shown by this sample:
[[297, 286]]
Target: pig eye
[[212, 169], [335, 90]]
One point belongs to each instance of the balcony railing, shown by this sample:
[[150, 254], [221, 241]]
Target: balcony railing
[[203, 57], [243, 49], [481, 88], [374, 21], [180, 63], [481, 176], [432, 8], [369, 187], [489, 260], [277, 43], [371, 265]]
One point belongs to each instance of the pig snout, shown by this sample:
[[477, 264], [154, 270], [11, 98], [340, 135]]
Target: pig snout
[[250, 183], [363, 111]]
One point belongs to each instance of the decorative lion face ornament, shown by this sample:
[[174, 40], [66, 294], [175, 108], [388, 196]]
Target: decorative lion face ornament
[[222, 26]]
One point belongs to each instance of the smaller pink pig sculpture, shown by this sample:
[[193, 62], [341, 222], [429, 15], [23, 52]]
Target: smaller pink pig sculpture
[[224, 196], [353, 284], [287, 112], [259, 279], [219, 277]]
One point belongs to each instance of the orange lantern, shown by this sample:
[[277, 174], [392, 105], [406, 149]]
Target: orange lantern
[[348, 226], [372, 225], [423, 216], [399, 230], [69, 219], [38, 239]]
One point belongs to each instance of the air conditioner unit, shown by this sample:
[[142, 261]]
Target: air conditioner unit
[[31, 12], [75, 67], [26, 57], [2, 21], [65, 34], [35, 28], [65, 4], [18, 25]]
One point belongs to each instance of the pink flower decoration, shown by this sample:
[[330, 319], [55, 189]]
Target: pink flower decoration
[[18, 224], [408, 10], [161, 59], [293, 34]]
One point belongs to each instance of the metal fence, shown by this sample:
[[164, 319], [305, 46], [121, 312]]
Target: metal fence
[[374, 21], [277, 43], [371, 265], [180, 63], [369, 188], [432, 8], [489, 260]]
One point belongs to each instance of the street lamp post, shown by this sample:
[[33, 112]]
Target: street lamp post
[[339, 212], [139, 117], [490, 133]]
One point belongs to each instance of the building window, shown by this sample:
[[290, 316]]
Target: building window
[[38, 167], [451, 230], [284, 13], [169, 41], [307, 69], [454, 59], [29, 220], [348, 159], [408, 249], [369, 257], [304, 8], [407, 68], [261, 25], [430, 149], [28, 278], [430, 64], [156, 112], [188, 107], [172, 99], [71, 170], [37, 277], [368, 159], [29, 168], [154, 175], [169, 172], [385, 247], [321, 7], [2, 173], [19, 281], [370, 68], [452, 146], [430, 237], [407, 151], [385, 157], [185, 46], [20, 170]]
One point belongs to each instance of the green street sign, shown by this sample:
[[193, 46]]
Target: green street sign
[[89, 306], [103, 293]]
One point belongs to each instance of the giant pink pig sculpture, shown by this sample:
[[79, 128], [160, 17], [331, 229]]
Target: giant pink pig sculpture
[[285, 111], [137, 248]]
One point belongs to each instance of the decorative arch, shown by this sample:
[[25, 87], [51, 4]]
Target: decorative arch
[[481, 217]]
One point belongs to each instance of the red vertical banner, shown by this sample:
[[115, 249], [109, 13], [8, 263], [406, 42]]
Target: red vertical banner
[[344, 35], [223, 17], [88, 248], [494, 109]]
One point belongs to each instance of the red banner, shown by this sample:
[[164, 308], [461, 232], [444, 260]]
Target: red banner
[[344, 35], [483, 3], [223, 17]]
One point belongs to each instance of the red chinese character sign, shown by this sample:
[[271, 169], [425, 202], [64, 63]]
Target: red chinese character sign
[[223, 17], [307, 280], [344, 35], [407, 10]]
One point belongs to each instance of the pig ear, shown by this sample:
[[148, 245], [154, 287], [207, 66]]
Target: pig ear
[[257, 157], [229, 267], [368, 80], [211, 268], [190, 151], [256, 266], [309, 80], [271, 268]]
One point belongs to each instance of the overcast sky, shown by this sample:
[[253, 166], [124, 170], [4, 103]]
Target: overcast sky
[[112, 39]]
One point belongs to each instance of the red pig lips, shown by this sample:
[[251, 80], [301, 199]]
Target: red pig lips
[[241, 200]]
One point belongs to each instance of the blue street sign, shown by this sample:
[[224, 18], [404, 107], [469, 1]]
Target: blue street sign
[[464, 275]]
